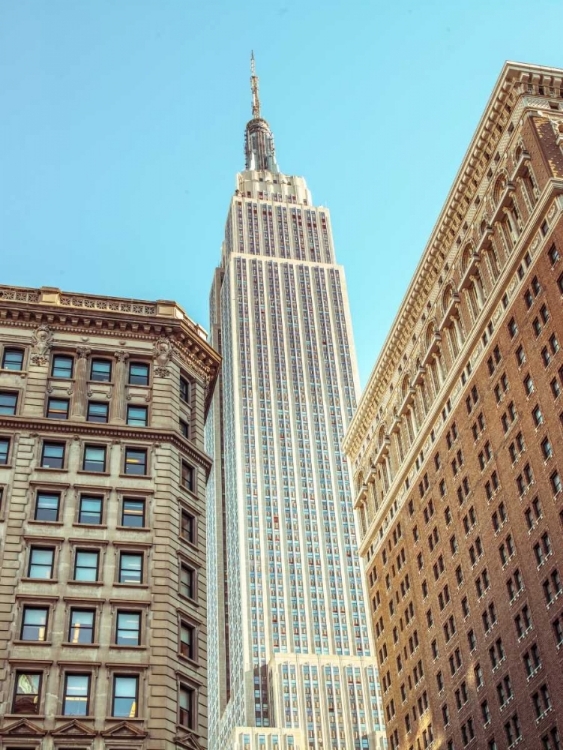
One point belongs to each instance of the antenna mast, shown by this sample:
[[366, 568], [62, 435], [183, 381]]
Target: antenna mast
[[254, 88]]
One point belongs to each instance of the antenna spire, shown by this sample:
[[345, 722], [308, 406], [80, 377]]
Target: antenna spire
[[254, 88]]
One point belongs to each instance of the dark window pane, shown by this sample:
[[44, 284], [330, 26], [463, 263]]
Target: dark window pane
[[57, 408], [188, 476], [186, 707], [188, 527], [86, 565], [47, 507], [97, 411], [41, 563], [187, 581], [187, 640], [8, 402], [53, 455], [12, 359], [125, 701], [138, 373], [137, 416], [128, 629], [133, 512], [81, 628], [90, 509], [77, 692], [184, 429], [94, 458], [34, 624], [184, 390], [131, 568], [62, 366], [27, 693], [4, 451], [135, 461], [101, 370]]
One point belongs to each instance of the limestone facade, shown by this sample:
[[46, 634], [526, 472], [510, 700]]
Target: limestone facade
[[102, 522]]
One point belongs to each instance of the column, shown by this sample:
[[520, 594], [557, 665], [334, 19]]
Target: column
[[117, 411], [80, 383]]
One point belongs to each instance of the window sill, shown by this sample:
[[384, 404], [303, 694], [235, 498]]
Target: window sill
[[127, 648], [37, 717], [90, 525], [25, 579], [68, 644], [133, 528], [32, 643], [135, 476], [35, 522], [188, 659], [96, 473], [51, 468], [131, 585], [85, 583]]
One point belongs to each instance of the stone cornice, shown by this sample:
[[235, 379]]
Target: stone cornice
[[100, 431], [511, 86]]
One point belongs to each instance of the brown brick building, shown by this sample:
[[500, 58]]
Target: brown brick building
[[102, 522], [457, 449]]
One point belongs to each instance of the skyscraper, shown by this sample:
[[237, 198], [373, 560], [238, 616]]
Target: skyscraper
[[289, 650]]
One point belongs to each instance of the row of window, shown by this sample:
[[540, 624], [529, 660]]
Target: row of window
[[77, 693], [59, 408]]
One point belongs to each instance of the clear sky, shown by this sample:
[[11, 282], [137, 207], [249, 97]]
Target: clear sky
[[122, 121]]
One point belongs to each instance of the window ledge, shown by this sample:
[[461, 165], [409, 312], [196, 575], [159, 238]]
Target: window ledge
[[35, 522], [79, 525], [26, 579], [85, 583], [134, 476], [68, 644], [127, 648], [51, 468], [131, 585], [96, 473], [19, 642], [133, 528]]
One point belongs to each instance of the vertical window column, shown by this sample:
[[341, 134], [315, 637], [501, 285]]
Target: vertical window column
[[80, 375], [117, 410]]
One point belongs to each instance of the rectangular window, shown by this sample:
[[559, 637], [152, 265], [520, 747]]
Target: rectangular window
[[128, 628], [86, 565], [186, 703], [76, 695], [133, 512], [188, 640], [4, 451], [135, 461], [94, 458], [125, 696], [188, 527], [34, 624], [138, 373], [187, 581], [97, 411], [81, 626], [41, 560], [53, 456], [62, 366], [131, 567], [27, 693], [8, 403], [47, 506], [184, 428], [90, 509], [137, 416], [100, 370], [184, 390], [57, 408], [188, 476], [12, 359]]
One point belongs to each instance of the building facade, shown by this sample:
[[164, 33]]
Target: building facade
[[289, 649], [102, 522], [457, 449]]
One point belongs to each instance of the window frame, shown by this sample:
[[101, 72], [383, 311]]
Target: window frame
[[188, 477], [75, 609], [130, 375], [92, 417], [15, 395], [50, 410], [192, 587], [135, 422], [95, 446], [120, 570], [130, 449], [28, 672], [133, 499], [5, 455], [45, 493], [128, 611], [27, 606], [65, 697], [87, 496], [192, 537], [185, 389], [54, 366], [191, 650], [130, 676], [10, 350], [88, 551], [97, 360], [186, 687], [44, 548], [52, 444]]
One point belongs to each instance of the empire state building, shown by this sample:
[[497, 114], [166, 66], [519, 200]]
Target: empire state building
[[290, 659]]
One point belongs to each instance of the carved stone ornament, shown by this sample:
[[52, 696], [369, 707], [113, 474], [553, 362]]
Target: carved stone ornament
[[41, 340], [121, 356], [162, 355], [83, 352]]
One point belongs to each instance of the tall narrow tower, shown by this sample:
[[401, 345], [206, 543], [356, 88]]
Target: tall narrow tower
[[290, 656]]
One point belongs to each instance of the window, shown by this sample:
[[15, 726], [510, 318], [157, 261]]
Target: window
[[57, 408], [81, 626], [184, 390], [100, 370], [537, 416], [512, 328], [555, 480], [128, 628], [94, 458], [62, 366], [27, 693], [188, 640], [135, 461], [523, 621], [553, 255], [188, 476], [8, 403], [186, 707], [76, 695], [554, 343], [12, 359], [4, 451], [520, 355], [546, 448], [53, 456], [551, 741], [86, 564], [541, 701], [188, 527], [133, 512], [187, 581], [546, 356], [97, 411], [532, 660], [512, 730], [471, 640], [138, 373], [184, 428], [125, 696], [34, 624], [137, 416], [555, 388], [478, 672], [47, 506], [528, 384], [90, 509], [41, 561], [131, 567]]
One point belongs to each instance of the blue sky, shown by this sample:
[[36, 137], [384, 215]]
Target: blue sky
[[122, 122]]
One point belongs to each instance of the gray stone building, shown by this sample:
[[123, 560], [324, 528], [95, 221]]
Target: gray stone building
[[102, 522]]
